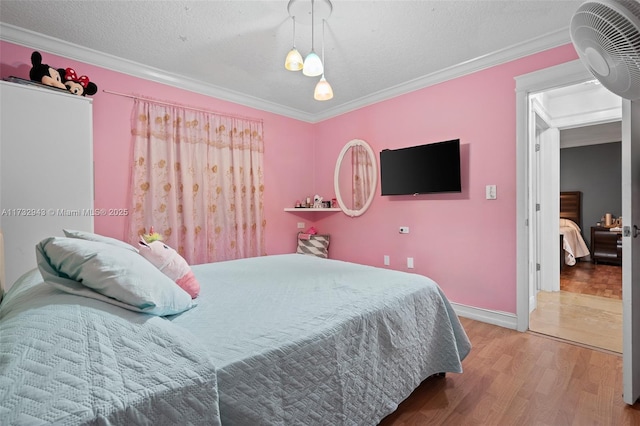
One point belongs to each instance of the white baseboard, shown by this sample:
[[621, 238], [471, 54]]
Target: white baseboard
[[501, 319], [533, 304]]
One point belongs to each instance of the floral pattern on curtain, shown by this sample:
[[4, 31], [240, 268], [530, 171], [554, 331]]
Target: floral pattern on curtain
[[362, 176], [197, 178]]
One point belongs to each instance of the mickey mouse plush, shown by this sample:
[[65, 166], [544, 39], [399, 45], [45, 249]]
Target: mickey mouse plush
[[43, 73], [78, 85]]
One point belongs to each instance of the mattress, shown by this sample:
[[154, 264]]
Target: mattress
[[71, 360], [302, 340]]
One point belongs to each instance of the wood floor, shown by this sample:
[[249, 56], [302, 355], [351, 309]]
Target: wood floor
[[513, 378], [583, 318], [587, 309], [596, 280]]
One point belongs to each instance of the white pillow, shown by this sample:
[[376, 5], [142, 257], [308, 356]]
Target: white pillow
[[90, 236], [107, 272]]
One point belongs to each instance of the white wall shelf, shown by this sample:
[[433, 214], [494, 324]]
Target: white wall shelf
[[301, 209]]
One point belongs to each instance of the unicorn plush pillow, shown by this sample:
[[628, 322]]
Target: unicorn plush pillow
[[171, 264]]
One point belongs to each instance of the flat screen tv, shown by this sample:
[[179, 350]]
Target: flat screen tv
[[422, 169]]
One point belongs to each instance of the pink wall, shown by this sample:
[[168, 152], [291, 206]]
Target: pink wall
[[286, 141], [465, 243]]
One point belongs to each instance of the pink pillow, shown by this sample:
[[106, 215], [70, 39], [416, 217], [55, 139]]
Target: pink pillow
[[171, 264]]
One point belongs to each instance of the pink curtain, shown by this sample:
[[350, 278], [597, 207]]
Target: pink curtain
[[197, 178], [362, 176]]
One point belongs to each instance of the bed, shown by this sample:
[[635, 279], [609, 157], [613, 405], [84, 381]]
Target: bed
[[572, 244], [284, 339]]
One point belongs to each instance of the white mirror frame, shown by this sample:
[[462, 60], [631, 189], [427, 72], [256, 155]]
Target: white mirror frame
[[336, 181]]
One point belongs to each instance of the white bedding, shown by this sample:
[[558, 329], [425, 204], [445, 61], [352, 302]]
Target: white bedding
[[573, 244]]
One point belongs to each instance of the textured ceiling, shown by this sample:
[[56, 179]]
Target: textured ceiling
[[371, 47]]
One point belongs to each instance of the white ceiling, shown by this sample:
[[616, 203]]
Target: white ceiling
[[585, 113], [594, 134], [235, 50]]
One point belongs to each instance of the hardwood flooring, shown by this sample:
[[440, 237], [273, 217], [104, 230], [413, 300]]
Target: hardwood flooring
[[513, 378], [587, 309], [589, 278], [591, 320]]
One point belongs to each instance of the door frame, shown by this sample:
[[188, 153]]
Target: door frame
[[566, 74], [630, 251], [544, 191]]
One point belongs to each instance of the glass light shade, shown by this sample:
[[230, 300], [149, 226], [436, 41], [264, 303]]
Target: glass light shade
[[312, 65], [294, 60], [323, 91]]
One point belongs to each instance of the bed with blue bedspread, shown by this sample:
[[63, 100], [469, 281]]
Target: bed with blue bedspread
[[72, 360], [286, 339]]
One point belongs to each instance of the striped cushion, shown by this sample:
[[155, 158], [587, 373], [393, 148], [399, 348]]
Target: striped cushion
[[314, 245]]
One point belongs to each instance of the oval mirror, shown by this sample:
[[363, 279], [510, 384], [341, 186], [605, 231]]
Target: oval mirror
[[355, 177]]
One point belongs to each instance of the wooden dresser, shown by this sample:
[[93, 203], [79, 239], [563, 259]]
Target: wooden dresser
[[606, 246]]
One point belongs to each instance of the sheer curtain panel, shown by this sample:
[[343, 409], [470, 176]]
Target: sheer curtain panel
[[197, 178]]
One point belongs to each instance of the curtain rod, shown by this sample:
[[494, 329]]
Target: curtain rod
[[181, 106]]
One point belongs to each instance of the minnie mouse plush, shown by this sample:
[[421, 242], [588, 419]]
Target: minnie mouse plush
[[78, 85]]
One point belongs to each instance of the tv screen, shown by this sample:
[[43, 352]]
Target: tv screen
[[423, 169]]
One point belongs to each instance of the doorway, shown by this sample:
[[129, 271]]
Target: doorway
[[581, 124], [559, 76]]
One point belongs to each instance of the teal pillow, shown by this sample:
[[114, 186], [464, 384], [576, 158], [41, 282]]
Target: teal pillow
[[107, 272], [90, 236]]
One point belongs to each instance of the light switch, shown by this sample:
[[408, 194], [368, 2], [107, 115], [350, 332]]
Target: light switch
[[410, 262], [386, 260], [491, 192]]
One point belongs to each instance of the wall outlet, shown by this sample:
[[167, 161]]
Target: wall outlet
[[386, 260], [404, 229], [491, 192], [410, 262], [300, 225]]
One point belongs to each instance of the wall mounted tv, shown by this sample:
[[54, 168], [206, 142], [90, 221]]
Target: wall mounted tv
[[422, 169]]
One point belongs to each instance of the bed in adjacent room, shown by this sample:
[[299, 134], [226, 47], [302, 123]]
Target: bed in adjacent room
[[285, 339], [572, 244]]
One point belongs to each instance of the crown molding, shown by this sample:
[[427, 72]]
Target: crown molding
[[516, 51], [59, 47], [52, 45]]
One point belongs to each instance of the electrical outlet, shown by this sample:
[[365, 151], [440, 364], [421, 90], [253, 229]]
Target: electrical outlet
[[491, 192], [404, 229], [410, 262], [300, 225], [386, 260]]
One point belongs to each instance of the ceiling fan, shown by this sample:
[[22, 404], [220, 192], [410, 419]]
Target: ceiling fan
[[606, 35]]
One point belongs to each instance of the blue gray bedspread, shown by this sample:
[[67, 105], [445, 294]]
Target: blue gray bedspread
[[275, 340], [70, 360], [307, 341]]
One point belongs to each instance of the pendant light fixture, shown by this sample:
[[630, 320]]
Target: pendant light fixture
[[294, 58], [323, 90], [312, 63], [312, 66]]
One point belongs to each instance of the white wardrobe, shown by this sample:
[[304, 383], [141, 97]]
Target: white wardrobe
[[46, 169]]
